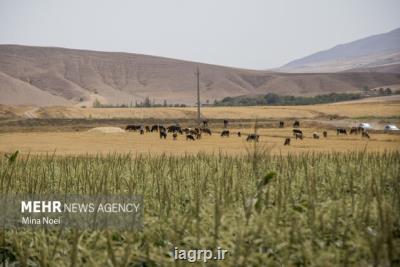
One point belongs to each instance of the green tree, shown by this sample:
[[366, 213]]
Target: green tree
[[147, 102], [96, 103], [272, 98]]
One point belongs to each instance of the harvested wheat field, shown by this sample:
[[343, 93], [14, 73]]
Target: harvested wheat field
[[93, 142], [387, 107]]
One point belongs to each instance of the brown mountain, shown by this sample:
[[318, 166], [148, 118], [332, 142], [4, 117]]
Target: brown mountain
[[372, 51], [57, 76]]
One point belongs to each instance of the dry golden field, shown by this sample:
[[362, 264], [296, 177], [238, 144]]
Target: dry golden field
[[53, 138], [388, 108], [62, 143]]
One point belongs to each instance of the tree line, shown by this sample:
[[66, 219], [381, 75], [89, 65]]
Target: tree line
[[274, 99]]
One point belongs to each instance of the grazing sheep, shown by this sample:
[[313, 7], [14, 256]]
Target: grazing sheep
[[175, 135], [296, 124], [315, 135], [325, 134]]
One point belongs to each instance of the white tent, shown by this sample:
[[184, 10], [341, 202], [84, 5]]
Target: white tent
[[390, 127], [365, 125]]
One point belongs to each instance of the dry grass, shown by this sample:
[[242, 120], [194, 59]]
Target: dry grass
[[376, 109], [93, 142]]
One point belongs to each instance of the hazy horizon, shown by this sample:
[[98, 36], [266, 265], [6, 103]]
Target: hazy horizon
[[253, 35]]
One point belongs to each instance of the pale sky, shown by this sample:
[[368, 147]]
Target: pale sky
[[255, 34]]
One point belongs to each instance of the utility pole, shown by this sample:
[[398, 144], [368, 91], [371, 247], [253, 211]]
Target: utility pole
[[198, 95]]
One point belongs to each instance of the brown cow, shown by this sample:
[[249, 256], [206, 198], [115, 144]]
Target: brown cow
[[365, 134], [189, 137], [299, 136], [225, 133], [287, 142], [252, 137]]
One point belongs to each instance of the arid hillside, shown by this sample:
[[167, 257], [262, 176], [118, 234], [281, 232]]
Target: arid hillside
[[372, 51], [46, 76]]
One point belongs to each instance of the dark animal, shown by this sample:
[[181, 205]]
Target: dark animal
[[185, 130], [189, 137], [252, 137], [132, 127], [141, 131], [162, 128], [365, 134], [354, 130], [325, 134], [154, 128], [296, 124], [299, 136], [225, 123], [206, 130], [173, 128], [315, 136], [297, 131], [205, 123], [239, 134], [225, 133], [287, 142], [198, 136], [163, 134], [281, 124], [174, 135], [341, 131], [147, 128], [193, 131]]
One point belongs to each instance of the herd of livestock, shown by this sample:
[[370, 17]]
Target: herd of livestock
[[196, 133]]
